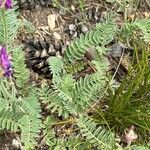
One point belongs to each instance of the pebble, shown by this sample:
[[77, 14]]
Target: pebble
[[16, 144], [72, 27], [117, 49], [84, 28], [57, 36], [75, 35], [71, 32], [51, 21], [72, 8]]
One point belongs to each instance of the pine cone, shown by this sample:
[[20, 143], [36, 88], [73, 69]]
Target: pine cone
[[31, 4], [38, 50]]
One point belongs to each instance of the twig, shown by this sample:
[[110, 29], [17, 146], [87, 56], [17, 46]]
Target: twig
[[65, 122], [117, 66]]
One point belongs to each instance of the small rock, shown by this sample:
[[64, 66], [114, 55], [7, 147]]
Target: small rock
[[72, 27], [117, 49], [57, 36], [75, 35], [16, 144], [67, 43], [51, 21], [72, 7], [84, 28], [71, 32]]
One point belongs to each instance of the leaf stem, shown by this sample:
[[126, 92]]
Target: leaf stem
[[65, 122], [5, 26]]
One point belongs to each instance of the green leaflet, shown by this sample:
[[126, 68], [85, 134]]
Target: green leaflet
[[21, 73], [96, 135], [9, 25]]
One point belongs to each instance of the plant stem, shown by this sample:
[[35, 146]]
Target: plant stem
[[65, 122], [125, 10], [5, 27]]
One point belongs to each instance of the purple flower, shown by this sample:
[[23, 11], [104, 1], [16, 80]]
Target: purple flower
[[8, 4], [0, 3], [5, 62]]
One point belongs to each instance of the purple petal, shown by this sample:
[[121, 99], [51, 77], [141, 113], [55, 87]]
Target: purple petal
[[4, 58], [7, 73], [8, 4], [0, 3], [5, 62]]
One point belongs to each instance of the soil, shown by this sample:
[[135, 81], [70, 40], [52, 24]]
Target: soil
[[95, 11], [6, 139]]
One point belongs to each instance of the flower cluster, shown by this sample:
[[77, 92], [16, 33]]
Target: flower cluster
[[130, 136], [6, 3], [5, 64]]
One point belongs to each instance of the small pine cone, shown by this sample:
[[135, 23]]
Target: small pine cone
[[37, 51]]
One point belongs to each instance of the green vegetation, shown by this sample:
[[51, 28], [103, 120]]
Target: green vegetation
[[79, 101]]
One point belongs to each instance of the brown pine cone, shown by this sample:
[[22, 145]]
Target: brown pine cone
[[37, 51]]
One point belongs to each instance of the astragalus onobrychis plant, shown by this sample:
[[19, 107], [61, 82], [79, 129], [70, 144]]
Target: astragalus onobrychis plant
[[68, 97]]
